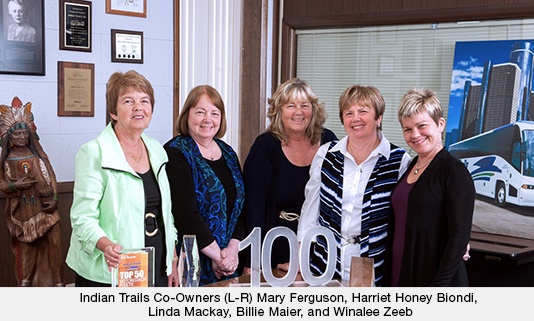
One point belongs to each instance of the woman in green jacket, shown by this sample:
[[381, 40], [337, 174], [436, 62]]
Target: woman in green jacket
[[121, 191]]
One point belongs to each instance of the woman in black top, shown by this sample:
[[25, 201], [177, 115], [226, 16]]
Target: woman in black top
[[433, 202], [277, 167]]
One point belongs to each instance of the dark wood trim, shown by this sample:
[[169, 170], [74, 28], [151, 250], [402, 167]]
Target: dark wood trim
[[289, 53], [275, 47], [478, 13], [322, 15], [62, 188], [65, 187], [253, 74], [176, 67]]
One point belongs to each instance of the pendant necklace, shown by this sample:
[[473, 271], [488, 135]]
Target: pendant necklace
[[132, 157], [210, 150], [213, 151], [137, 160], [416, 171]]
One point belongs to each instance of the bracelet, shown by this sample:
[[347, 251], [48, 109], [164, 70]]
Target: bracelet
[[175, 258]]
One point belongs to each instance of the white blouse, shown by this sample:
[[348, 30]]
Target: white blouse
[[355, 179]]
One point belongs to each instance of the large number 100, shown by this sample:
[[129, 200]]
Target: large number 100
[[296, 254]]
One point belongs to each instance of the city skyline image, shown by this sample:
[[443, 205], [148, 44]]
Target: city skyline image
[[490, 87]]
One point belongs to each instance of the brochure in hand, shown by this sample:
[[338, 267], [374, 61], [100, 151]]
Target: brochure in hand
[[136, 268]]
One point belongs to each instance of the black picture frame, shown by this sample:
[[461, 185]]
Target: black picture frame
[[127, 46], [75, 25], [22, 51]]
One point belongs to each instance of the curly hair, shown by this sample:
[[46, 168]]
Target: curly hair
[[295, 88]]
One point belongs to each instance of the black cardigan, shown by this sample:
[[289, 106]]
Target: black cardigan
[[438, 224]]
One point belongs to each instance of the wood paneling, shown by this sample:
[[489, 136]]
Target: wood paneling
[[253, 74], [314, 14], [176, 75]]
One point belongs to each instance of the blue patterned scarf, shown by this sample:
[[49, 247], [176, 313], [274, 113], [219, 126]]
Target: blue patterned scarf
[[211, 196]]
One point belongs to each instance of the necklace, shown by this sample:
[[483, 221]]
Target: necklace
[[132, 157], [137, 160], [416, 171], [360, 153], [211, 149]]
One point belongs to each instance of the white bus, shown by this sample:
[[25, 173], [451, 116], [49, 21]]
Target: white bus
[[501, 162]]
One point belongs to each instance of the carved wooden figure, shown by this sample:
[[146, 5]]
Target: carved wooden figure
[[29, 183]]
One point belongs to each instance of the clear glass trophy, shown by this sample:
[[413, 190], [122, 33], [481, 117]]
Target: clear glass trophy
[[189, 262]]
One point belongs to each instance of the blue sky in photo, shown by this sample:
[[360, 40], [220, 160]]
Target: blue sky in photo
[[468, 64]]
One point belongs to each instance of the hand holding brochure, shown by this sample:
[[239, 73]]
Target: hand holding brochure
[[136, 268]]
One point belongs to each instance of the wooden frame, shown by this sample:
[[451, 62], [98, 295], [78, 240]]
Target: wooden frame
[[75, 25], [126, 46], [135, 8], [322, 14], [76, 88], [22, 52]]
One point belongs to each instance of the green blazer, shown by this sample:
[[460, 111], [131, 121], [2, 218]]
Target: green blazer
[[109, 200]]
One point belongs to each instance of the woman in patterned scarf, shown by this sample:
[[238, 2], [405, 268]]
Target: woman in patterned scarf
[[206, 184]]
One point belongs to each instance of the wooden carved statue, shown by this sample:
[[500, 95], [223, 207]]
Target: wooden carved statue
[[29, 183]]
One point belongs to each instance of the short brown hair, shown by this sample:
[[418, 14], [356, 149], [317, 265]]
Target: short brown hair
[[190, 102], [119, 82], [368, 96]]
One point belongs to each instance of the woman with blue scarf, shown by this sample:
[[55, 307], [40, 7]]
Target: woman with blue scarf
[[206, 184]]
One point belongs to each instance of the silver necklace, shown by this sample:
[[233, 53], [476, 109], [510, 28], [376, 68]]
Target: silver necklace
[[211, 154], [211, 151]]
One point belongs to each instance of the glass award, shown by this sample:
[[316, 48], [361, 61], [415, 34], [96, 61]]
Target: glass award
[[136, 268], [189, 262]]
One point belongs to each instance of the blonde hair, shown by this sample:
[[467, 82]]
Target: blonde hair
[[295, 88], [416, 101]]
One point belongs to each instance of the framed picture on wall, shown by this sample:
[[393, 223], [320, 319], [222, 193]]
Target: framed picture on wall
[[75, 25], [22, 37], [126, 46], [136, 8], [76, 89]]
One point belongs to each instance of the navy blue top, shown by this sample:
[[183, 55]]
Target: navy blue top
[[274, 184]]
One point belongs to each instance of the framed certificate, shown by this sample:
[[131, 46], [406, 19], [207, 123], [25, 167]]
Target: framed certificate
[[75, 25], [76, 88], [126, 46], [136, 8], [136, 268]]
